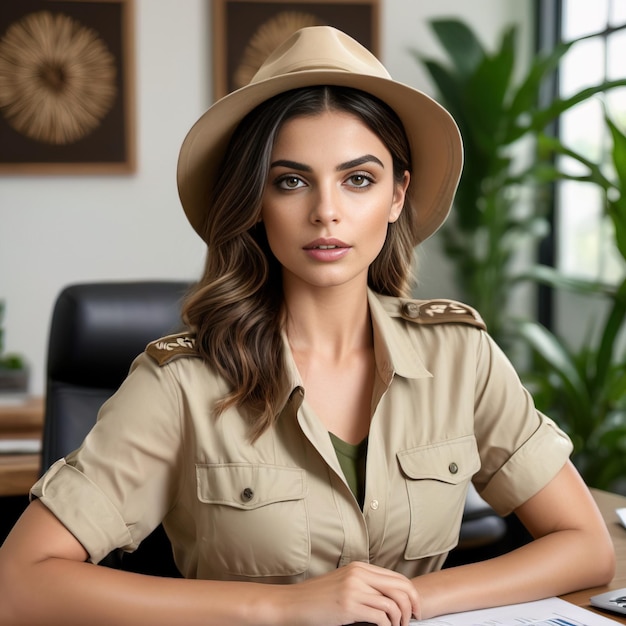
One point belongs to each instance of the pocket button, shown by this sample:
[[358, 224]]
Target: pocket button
[[453, 468], [247, 494]]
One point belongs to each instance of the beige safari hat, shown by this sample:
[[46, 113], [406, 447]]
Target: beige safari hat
[[322, 55]]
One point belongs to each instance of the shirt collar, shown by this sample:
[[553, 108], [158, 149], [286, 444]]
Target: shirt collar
[[293, 388], [394, 349]]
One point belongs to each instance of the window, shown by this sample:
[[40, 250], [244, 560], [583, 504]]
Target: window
[[584, 241]]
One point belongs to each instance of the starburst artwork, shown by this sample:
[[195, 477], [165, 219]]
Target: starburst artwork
[[57, 78], [65, 87], [245, 32], [269, 36]]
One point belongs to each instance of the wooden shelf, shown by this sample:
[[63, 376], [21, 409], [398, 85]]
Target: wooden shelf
[[18, 473], [21, 420], [22, 417]]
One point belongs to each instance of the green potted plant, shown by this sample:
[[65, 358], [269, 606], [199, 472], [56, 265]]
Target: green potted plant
[[13, 369], [584, 387], [491, 221]]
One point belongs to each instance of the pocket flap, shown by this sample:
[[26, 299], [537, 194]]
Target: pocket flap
[[247, 486], [448, 461]]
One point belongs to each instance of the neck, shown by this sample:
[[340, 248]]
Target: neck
[[329, 321]]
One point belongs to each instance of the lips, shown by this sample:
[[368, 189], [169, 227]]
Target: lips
[[327, 250], [326, 244]]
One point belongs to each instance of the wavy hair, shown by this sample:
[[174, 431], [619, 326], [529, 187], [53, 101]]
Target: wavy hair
[[235, 308]]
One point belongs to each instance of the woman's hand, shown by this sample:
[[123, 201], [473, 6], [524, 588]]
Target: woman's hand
[[358, 592]]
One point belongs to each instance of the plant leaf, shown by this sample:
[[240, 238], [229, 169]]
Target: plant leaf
[[461, 44], [560, 361], [487, 90], [541, 118], [612, 327], [552, 277], [526, 95], [619, 151], [616, 208], [549, 145]]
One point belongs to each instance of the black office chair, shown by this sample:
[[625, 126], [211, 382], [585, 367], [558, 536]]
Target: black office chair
[[97, 330], [481, 527]]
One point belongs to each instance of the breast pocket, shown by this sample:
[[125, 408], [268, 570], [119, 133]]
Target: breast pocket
[[254, 519], [437, 477]]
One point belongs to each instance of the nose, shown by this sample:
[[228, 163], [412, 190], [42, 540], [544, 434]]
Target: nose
[[325, 206]]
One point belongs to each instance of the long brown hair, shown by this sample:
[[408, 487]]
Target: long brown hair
[[235, 309]]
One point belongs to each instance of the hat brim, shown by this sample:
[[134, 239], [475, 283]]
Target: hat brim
[[434, 139]]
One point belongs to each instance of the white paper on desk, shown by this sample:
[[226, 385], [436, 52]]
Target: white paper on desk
[[549, 612]]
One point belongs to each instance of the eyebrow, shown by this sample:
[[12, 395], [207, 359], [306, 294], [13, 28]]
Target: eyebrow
[[366, 158]]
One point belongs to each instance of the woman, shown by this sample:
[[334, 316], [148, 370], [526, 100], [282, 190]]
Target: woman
[[317, 429]]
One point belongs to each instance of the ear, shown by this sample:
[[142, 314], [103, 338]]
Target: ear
[[399, 194]]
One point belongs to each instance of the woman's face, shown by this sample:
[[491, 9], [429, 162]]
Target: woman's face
[[329, 198]]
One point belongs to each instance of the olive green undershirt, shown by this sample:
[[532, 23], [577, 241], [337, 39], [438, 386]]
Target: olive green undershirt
[[352, 459]]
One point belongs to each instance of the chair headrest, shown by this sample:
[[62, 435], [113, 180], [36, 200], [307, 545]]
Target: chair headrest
[[97, 329]]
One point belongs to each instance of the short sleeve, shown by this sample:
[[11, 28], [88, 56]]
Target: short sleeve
[[521, 449], [119, 485]]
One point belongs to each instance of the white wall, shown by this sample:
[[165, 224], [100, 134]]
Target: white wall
[[59, 230]]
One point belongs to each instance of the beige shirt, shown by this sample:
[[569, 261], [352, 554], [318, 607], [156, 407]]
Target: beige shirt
[[447, 408]]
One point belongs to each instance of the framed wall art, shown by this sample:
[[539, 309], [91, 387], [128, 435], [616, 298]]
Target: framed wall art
[[246, 31], [66, 87]]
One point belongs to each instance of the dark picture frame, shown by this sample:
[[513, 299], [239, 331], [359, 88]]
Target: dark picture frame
[[71, 112], [245, 31]]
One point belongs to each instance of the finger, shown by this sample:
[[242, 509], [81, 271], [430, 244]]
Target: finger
[[370, 589], [397, 587], [395, 604], [369, 607], [391, 594], [406, 598], [380, 611]]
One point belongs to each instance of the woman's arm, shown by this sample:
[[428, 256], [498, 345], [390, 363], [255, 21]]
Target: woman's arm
[[44, 579], [571, 550]]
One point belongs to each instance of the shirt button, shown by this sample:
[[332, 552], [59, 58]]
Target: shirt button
[[453, 467], [247, 494], [374, 505]]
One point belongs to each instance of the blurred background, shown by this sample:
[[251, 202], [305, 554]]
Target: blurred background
[[536, 242]]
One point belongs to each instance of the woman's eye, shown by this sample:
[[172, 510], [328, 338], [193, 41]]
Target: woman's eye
[[360, 180], [289, 182]]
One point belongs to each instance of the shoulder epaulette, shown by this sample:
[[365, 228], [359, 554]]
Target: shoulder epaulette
[[172, 347], [440, 312]]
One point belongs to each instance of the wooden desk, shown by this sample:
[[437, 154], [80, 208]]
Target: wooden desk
[[607, 502], [18, 472]]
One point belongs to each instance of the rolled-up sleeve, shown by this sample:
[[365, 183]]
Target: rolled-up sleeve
[[521, 449], [84, 510], [119, 485]]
